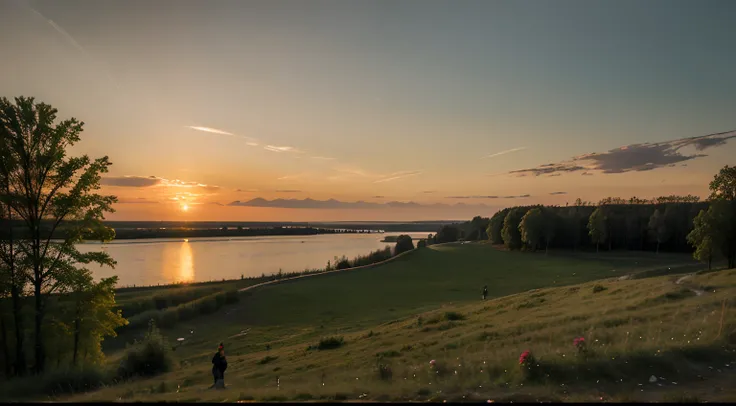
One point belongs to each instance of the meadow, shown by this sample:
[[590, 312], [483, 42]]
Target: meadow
[[370, 334]]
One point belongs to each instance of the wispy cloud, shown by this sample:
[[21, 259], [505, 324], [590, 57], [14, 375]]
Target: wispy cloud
[[151, 181], [558, 193], [508, 151], [274, 148], [140, 200], [291, 177], [323, 158], [379, 197], [490, 197], [429, 192], [210, 130], [288, 191], [336, 204], [246, 190], [633, 158], [398, 175]]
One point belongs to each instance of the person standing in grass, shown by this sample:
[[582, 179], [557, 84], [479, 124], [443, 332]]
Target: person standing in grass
[[485, 292], [219, 365]]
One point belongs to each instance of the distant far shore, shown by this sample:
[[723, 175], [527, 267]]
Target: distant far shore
[[130, 230]]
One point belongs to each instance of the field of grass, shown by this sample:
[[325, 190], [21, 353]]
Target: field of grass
[[395, 318]]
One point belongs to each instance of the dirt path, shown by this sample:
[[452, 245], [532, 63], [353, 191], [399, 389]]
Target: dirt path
[[679, 281]]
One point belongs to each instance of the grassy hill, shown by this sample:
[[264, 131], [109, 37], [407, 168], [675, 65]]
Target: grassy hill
[[395, 318]]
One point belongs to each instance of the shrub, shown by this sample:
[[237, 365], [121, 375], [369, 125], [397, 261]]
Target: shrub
[[150, 357], [330, 343], [384, 372], [454, 316], [267, 359], [599, 288]]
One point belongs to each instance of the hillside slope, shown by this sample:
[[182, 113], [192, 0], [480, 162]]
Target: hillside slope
[[682, 334]]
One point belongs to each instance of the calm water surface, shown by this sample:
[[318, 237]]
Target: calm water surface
[[161, 261]]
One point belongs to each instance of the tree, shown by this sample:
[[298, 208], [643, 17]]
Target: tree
[[403, 243], [495, 225], [531, 228], [551, 222], [597, 227], [447, 233], [510, 232], [478, 228], [659, 229], [703, 237], [723, 196], [723, 185], [13, 274], [94, 315], [54, 196]]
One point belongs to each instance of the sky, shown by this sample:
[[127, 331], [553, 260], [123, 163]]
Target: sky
[[211, 110]]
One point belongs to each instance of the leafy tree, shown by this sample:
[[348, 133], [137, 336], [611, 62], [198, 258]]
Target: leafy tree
[[532, 228], [551, 224], [447, 233], [723, 195], [659, 229], [54, 196], [478, 228], [13, 276], [704, 237], [403, 243], [495, 225], [510, 232], [94, 315], [597, 227], [723, 185]]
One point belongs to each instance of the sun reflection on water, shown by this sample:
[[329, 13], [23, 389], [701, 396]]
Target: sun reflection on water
[[186, 263]]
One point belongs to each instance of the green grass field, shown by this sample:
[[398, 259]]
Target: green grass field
[[426, 305]]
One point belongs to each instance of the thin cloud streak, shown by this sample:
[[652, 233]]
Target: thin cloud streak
[[274, 148], [508, 151], [210, 130], [398, 175]]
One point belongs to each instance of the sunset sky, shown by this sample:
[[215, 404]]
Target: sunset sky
[[200, 104]]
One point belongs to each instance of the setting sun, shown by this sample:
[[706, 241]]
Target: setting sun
[[184, 207]]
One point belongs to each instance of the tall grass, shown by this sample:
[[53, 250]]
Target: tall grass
[[169, 317]]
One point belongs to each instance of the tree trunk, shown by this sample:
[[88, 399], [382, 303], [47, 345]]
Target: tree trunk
[[76, 340], [20, 353], [16, 299], [6, 349], [597, 247], [546, 248], [657, 248], [40, 354], [710, 260]]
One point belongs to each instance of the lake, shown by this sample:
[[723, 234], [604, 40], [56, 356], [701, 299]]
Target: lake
[[164, 261]]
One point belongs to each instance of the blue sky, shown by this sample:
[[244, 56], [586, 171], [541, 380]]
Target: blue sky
[[417, 92]]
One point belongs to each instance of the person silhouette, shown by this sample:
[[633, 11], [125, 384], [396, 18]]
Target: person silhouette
[[485, 292], [219, 365]]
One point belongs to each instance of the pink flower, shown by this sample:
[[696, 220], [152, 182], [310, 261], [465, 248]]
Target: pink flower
[[432, 362], [524, 356]]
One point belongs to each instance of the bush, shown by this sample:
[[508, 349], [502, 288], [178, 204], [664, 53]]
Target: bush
[[403, 244], [454, 316], [330, 343], [150, 357], [599, 288], [384, 372]]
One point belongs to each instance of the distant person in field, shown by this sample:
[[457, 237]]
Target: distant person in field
[[485, 292], [219, 365]]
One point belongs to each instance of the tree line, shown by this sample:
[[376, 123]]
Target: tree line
[[51, 308], [707, 229]]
